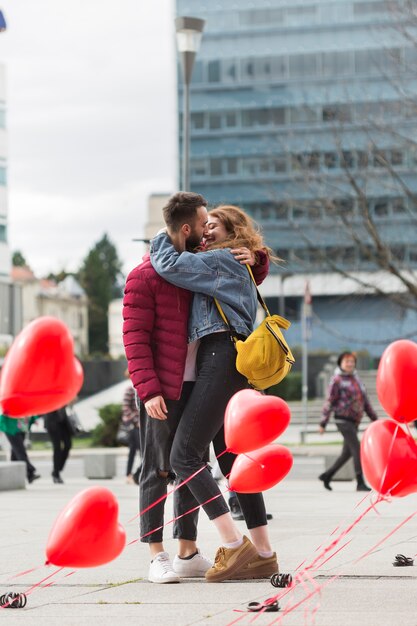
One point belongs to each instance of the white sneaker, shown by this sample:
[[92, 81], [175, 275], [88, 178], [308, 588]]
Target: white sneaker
[[192, 568], [161, 570]]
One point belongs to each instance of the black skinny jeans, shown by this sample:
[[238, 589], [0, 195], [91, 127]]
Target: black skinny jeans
[[351, 447], [202, 422], [156, 437]]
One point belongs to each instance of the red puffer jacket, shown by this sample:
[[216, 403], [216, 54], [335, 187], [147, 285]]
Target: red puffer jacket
[[155, 315], [155, 325]]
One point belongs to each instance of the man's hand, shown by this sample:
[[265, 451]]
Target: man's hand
[[321, 430], [244, 256], [156, 408]]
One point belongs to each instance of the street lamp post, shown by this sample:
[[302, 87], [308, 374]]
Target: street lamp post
[[189, 31]]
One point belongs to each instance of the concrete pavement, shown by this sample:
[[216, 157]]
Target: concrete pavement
[[370, 592]]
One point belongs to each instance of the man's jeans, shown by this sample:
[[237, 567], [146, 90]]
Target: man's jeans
[[156, 437], [202, 422]]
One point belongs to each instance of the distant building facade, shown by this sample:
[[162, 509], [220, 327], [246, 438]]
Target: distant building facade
[[65, 301], [289, 101]]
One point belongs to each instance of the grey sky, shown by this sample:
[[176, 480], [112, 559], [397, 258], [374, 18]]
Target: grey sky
[[91, 100]]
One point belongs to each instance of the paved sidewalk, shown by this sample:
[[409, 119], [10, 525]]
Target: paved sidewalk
[[369, 593]]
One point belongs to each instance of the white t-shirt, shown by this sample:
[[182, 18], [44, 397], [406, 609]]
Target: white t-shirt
[[190, 372]]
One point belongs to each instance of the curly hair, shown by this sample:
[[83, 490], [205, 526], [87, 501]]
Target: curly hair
[[242, 230]]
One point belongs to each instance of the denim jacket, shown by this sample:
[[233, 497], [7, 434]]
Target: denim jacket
[[211, 274]]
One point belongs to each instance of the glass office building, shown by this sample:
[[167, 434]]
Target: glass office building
[[305, 114]]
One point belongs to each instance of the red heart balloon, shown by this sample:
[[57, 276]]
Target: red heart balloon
[[389, 458], [86, 533], [261, 469], [253, 420], [396, 380], [40, 373]]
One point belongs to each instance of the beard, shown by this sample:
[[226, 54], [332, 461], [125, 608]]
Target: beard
[[193, 242]]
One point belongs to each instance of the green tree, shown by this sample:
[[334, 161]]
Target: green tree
[[99, 276], [18, 260]]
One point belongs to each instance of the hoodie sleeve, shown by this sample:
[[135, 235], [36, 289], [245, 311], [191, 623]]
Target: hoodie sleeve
[[332, 397]]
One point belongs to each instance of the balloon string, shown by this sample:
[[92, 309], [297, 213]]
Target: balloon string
[[254, 461], [184, 482], [174, 519], [38, 584], [407, 519], [388, 459]]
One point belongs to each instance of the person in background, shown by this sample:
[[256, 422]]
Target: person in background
[[59, 431], [130, 417], [347, 399], [15, 430]]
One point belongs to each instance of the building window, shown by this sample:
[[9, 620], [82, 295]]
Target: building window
[[197, 120], [250, 166], [336, 63], [215, 167], [303, 65], [397, 157], [381, 208], [214, 72], [3, 232], [231, 165], [337, 112], [399, 206], [231, 120], [3, 176], [198, 167], [330, 160], [303, 115], [248, 69], [362, 159], [2, 118], [197, 75], [215, 121], [278, 116], [366, 8], [255, 117], [229, 73], [281, 211], [347, 159], [279, 164]]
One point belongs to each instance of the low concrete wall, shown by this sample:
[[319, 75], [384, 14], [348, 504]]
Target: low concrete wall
[[100, 465], [12, 475]]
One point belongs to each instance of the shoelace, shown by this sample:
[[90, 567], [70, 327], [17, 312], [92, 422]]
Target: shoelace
[[220, 555], [165, 563]]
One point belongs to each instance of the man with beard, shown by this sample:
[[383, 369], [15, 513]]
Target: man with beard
[[162, 370]]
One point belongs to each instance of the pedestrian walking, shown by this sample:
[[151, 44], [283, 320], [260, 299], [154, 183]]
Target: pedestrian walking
[[60, 433], [348, 400], [15, 430], [130, 418]]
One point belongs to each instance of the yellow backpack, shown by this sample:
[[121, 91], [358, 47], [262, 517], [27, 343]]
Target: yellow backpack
[[264, 358]]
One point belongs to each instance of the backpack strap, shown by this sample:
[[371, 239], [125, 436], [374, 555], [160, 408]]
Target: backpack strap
[[282, 322], [260, 300]]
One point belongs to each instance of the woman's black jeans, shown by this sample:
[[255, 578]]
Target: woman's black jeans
[[202, 422]]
